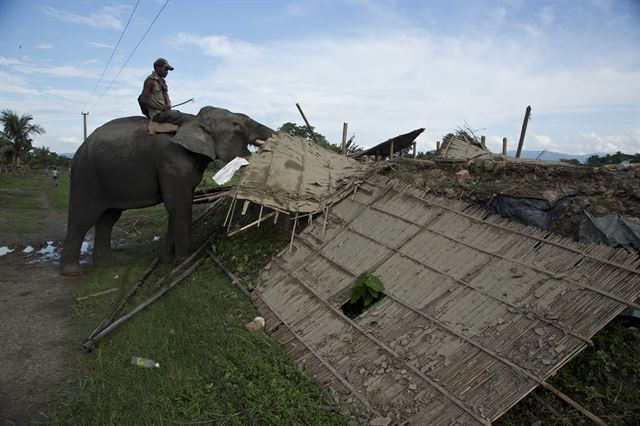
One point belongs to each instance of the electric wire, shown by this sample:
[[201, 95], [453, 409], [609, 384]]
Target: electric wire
[[112, 53], [130, 55]]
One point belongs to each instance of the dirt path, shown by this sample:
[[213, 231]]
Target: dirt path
[[37, 351]]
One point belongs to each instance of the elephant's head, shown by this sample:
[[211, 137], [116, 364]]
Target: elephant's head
[[218, 133]]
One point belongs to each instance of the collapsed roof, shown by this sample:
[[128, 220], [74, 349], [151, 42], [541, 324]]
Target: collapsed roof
[[291, 174], [477, 311], [390, 146]]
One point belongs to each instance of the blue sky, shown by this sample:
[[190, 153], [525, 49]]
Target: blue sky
[[385, 67]]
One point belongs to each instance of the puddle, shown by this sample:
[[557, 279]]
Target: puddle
[[5, 250], [49, 252]]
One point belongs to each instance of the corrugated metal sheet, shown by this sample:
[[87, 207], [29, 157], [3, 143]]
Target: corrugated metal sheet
[[477, 311]]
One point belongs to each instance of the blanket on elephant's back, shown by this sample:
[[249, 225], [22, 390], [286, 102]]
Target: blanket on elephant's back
[[292, 174]]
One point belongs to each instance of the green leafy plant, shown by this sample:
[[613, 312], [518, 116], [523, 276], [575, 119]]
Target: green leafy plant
[[368, 288]]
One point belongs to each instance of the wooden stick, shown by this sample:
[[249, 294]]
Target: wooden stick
[[207, 210], [208, 198], [307, 123], [574, 404], [100, 293], [92, 342], [293, 233], [109, 318], [255, 222], [234, 279], [105, 323]]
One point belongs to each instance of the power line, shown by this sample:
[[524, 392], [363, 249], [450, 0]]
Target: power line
[[112, 53], [134, 50]]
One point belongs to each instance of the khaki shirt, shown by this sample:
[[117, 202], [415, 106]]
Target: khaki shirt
[[156, 93]]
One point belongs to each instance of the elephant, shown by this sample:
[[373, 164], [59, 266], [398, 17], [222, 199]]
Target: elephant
[[121, 166]]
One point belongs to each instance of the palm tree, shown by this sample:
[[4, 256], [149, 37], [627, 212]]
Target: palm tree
[[17, 130]]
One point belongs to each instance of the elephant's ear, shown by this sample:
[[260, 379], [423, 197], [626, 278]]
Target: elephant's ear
[[193, 137]]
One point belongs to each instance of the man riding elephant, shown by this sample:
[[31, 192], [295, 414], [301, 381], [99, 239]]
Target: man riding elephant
[[155, 103], [155, 93]]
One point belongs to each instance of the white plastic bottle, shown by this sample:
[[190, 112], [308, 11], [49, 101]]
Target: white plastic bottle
[[144, 362]]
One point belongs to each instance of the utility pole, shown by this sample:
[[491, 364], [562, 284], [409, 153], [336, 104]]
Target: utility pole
[[84, 119]]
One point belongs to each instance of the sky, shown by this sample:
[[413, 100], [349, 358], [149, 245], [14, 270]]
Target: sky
[[383, 67]]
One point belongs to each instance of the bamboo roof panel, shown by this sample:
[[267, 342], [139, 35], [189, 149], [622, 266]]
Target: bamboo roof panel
[[477, 311]]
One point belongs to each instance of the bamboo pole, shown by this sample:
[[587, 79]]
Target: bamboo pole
[[102, 334], [255, 222], [504, 146], [109, 318], [307, 123], [234, 279]]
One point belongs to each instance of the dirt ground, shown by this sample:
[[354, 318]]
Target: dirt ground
[[37, 349]]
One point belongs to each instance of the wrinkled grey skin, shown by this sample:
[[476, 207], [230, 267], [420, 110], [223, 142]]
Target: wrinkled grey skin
[[120, 166]]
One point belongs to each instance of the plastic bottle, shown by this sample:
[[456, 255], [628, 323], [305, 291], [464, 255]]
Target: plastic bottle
[[144, 362]]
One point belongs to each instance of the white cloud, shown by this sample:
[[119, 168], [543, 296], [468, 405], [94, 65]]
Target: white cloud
[[216, 46], [546, 15], [390, 83], [10, 83], [45, 46], [99, 45], [10, 61], [627, 142], [107, 17]]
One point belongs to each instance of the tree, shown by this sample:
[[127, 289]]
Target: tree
[[303, 131], [17, 130]]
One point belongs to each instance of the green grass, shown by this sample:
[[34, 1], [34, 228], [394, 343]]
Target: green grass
[[19, 202], [215, 372], [212, 369]]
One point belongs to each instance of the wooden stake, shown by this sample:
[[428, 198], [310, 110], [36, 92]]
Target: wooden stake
[[343, 147], [391, 151], [415, 153], [527, 115]]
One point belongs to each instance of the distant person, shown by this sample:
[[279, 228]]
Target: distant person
[[46, 171], [54, 175], [155, 93]]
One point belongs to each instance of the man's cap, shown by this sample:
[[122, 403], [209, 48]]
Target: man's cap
[[162, 62]]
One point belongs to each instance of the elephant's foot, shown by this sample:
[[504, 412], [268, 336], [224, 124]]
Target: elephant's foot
[[71, 270], [102, 261]]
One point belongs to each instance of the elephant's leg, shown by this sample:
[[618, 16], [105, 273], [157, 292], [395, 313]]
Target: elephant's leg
[[78, 225], [169, 248], [180, 208], [102, 243]]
